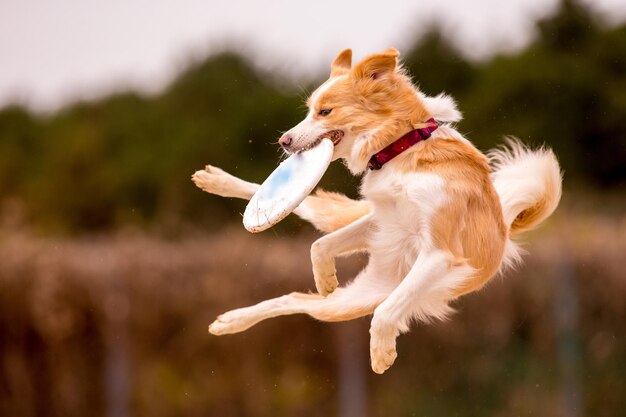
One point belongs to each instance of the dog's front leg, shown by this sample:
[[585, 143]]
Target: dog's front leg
[[350, 238]]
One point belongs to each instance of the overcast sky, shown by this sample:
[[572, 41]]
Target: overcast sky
[[54, 51]]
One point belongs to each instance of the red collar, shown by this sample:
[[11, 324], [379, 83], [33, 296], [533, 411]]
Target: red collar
[[405, 142]]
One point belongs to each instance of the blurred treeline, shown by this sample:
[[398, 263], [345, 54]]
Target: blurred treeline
[[127, 159]]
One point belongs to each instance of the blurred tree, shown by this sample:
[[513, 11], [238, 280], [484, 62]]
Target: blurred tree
[[437, 66], [566, 89]]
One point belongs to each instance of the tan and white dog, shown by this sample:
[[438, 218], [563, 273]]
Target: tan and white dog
[[437, 220]]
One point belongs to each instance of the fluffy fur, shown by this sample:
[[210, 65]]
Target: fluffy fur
[[437, 221]]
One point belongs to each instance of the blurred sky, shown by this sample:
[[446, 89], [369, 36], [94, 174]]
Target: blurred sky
[[53, 52]]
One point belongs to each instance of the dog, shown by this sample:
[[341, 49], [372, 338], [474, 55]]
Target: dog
[[437, 218]]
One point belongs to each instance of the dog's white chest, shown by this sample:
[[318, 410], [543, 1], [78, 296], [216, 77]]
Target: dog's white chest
[[414, 194], [404, 206]]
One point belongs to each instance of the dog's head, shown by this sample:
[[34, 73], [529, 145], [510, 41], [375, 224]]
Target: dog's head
[[361, 109]]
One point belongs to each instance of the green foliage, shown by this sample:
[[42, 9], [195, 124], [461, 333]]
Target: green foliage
[[127, 159], [437, 66], [566, 90]]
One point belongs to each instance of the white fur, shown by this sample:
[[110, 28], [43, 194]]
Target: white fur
[[352, 158], [404, 205], [522, 177], [442, 107]]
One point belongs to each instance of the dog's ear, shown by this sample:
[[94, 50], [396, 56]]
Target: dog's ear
[[342, 64], [377, 65]]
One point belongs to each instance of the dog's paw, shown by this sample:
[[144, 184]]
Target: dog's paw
[[213, 180], [382, 348], [231, 322], [325, 274], [326, 286]]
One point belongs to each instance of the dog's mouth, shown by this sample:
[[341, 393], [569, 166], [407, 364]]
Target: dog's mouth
[[334, 135]]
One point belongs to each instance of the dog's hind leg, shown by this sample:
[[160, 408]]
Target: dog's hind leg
[[329, 211], [358, 299], [423, 294]]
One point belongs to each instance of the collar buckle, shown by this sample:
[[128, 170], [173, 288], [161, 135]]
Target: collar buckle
[[424, 133], [374, 164]]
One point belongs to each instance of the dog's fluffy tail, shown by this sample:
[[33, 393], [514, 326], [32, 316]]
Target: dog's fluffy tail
[[529, 185], [329, 211]]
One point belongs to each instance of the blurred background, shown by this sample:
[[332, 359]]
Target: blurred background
[[112, 263]]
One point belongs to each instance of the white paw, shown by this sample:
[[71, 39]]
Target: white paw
[[324, 272], [325, 277], [213, 180], [231, 322], [382, 348]]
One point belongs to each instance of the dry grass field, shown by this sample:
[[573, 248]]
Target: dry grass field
[[116, 325]]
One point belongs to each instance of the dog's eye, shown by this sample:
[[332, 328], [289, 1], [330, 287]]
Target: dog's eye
[[325, 112]]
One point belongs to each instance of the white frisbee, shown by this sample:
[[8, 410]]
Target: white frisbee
[[290, 183]]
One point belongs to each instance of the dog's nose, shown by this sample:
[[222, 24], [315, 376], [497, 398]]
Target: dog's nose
[[285, 140]]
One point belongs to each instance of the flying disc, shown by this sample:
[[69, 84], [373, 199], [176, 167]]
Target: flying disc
[[287, 186]]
